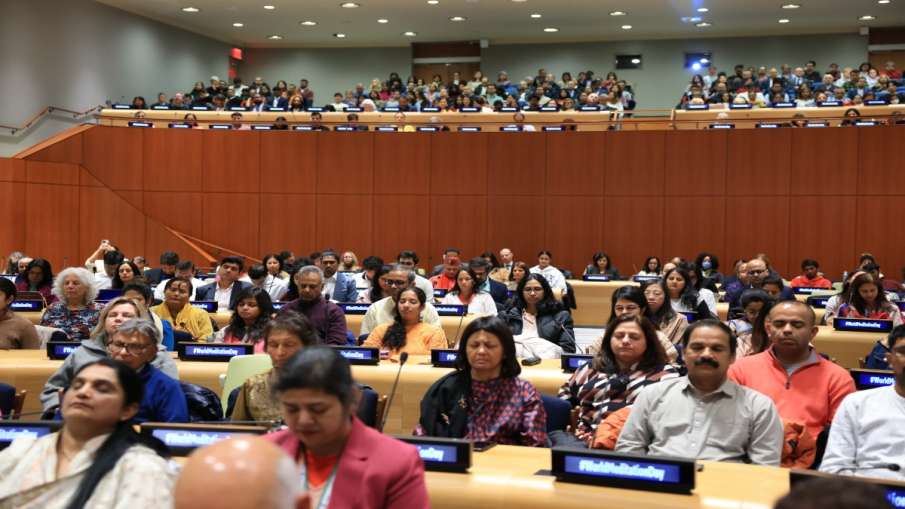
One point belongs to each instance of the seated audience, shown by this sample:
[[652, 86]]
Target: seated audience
[[283, 337], [15, 331], [126, 272], [74, 312], [407, 333], [106, 271], [651, 266], [97, 459], [249, 320], [184, 270], [519, 271], [752, 301], [868, 300], [866, 433], [810, 276], [274, 266], [465, 293], [410, 260], [140, 293], [446, 279], [773, 286], [709, 265], [349, 262], [274, 286], [338, 286], [805, 387], [182, 315], [369, 266], [684, 298], [38, 277], [167, 269], [631, 358], [836, 301], [554, 277], [325, 316], [757, 271], [601, 266], [484, 399], [534, 314], [382, 311], [116, 312], [630, 301], [227, 287], [483, 282], [345, 461], [660, 312], [134, 343], [834, 493], [704, 415], [378, 288]]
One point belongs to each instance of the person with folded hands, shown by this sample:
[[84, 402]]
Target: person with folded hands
[[407, 333], [177, 310]]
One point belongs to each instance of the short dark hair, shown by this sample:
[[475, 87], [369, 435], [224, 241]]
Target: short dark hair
[[113, 258], [319, 368], [773, 279], [654, 354], [496, 326], [834, 493], [710, 322], [8, 288], [238, 260], [296, 324], [807, 262], [173, 280], [185, 265], [753, 295], [141, 288], [405, 254], [897, 333], [169, 258], [631, 293], [452, 250], [329, 252], [372, 263], [257, 271]]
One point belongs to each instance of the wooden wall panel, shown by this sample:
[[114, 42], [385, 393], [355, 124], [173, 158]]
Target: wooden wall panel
[[458, 164], [287, 222], [345, 222], [516, 164], [691, 224], [515, 222], [68, 150], [695, 163], [635, 163], [456, 221], [114, 156], [158, 240], [575, 163], [877, 232], [823, 228], [402, 164], [47, 231], [759, 161], [12, 170], [232, 221], [231, 162], [881, 160], [401, 221], [824, 161], [288, 163], [12, 209], [178, 210], [104, 214], [173, 159], [575, 225], [758, 225], [632, 231], [51, 173], [345, 163]]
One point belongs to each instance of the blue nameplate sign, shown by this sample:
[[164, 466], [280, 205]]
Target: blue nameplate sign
[[59, 350], [573, 362], [469, 109], [444, 358], [212, 352], [550, 108], [199, 108], [141, 124], [236, 108], [353, 109], [210, 306], [784, 104], [697, 107], [875, 102], [866, 123], [872, 378], [511, 128], [622, 470], [345, 128], [768, 125], [805, 290], [261, 127], [160, 107], [428, 129], [595, 277], [451, 310], [818, 301], [441, 454], [722, 126], [391, 109], [314, 109], [182, 439], [360, 355], [276, 108], [11, 430], [642, 279], [279, 305], [828, 104], [862, 325], [224, 127], [742, 106], [439, 293], [179, 125], [589, 108], [386, 129], [122, 106], [353, 309], [27, 305], [553, 128], [109, 294], [691, 316], [303, 128], [509, 109], [469, 129], [816, 124], [430, 109]]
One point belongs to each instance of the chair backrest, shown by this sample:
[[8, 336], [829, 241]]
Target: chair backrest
[[7, 399], [371, 407], [19, 403], [559, 413], [240, 368]]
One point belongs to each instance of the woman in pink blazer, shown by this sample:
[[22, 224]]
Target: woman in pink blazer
[[344, 464]]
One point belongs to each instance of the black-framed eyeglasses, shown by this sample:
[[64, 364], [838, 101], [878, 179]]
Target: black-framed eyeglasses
[[395, 282], [132, 348]]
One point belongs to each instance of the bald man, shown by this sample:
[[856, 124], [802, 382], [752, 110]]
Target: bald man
[[239, 473]]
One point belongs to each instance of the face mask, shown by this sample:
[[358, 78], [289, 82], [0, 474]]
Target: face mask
[[706, 265]]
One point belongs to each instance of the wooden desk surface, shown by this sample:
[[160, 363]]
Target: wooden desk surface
[[594, 301]]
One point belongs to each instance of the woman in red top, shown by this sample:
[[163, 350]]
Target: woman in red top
[[38, 277], [868, 300]]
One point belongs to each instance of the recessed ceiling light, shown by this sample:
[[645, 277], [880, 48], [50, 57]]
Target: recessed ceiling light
[[551, 29], [784, 20], [383, 21], [238, 25], [867, 17], [790, 6], [617, 13], [190, 9], [703, 24], [275, 37], [703, 9], [457, 18], [270, 7], [308, 23], [636, 61], [409, 34], [535, 15], [433, 2], [695, 19], [519, 1], [882, 1], [349, 5], [339, 36], [626, 27]]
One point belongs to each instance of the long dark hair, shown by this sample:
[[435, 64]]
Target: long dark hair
[[659, 265], [596, 258], [137, 274], [122, 438], [496, 326], [44, 265], [275, 257], [858, 302], [547, 306], [689, 295], [654, 355], [376, 293], [237, 325], [760, 341], [663, 315], [475, 286], [395, 335]]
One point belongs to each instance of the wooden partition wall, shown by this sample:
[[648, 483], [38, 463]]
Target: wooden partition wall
[[823, 193]]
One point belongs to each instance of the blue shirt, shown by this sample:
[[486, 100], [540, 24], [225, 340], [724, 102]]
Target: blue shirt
[[163, 400]]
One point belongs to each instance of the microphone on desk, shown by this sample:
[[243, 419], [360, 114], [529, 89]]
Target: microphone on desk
[[272, 424], [533, 359], [459, 327], [877, 466], [404, 356]]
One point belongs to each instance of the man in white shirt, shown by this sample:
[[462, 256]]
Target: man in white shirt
[[338, 287], [274, 286], [227, 287], [184, 270], [103, 280], [867, 437], [369, 267], [410, 260], [381, 312]]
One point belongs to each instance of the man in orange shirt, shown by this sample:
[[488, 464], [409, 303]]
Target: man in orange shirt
[[810, 277], [447, 279]]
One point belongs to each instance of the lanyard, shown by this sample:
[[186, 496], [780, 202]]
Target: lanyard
[[328, 486]]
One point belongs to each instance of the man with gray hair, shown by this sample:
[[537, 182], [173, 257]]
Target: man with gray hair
[[135, 344], [325, 316], [380, 312]]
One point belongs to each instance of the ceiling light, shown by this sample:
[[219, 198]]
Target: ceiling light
[[238, 25], [626, 27], [617, 13], [535, 15], [784, 20], [703, 24], [308, 23], [409, 34], [270, 7], [519, 1], [190, 9], [867, 17], [636, 61], [383, 21], [695, 19], [551, 29], [457, 18], [349, 5], [703, 9], [433, 2], [275, 37], [339, 36], [790, 6], [882, 1]]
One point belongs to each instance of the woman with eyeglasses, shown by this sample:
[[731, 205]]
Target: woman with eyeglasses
[[631, 301], [632, 357], [536, 314]]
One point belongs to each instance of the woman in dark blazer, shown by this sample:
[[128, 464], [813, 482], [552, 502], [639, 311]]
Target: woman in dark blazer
[[534, 312]]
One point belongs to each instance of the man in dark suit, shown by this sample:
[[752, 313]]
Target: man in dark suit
[[167, 269], [497, 290], [279, 102], [227, 288]]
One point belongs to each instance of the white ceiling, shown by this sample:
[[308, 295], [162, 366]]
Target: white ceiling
[[505, 21]]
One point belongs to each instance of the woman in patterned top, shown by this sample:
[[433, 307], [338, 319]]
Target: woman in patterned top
[[484, 399], [75, 312], [253, 311], [631, 358]]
